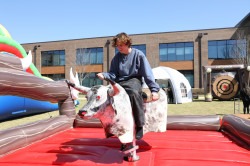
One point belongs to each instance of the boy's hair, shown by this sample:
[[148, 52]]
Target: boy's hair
[[122, 38]]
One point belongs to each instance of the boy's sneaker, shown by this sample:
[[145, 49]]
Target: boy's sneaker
[[139, 133]]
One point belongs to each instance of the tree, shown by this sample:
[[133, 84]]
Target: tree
[[82, 60], [86, 61], [239, 49]]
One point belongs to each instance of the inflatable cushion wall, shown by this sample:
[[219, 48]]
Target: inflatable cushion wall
[[174, 122], [18, 137], [194, 122], [238, 129]]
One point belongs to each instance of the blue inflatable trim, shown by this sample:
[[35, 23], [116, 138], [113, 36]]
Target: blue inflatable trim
[[15, 106]]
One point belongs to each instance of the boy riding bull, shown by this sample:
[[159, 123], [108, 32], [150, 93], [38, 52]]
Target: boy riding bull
[[128, 67]]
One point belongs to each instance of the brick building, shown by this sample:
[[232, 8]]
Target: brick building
[[185, 51]]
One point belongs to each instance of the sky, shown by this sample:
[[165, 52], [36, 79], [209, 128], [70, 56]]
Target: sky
[[31, 21]]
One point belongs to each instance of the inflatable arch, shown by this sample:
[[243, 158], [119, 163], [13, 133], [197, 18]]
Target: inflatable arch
[[177, 82]]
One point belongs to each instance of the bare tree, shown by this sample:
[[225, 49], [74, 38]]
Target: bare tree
[[85, 63], [238, 51], [82, 60]]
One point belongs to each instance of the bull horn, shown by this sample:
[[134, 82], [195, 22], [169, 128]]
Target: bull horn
[[79, 88], [114, 90], [82, 89], [26, 61], [74, 80]]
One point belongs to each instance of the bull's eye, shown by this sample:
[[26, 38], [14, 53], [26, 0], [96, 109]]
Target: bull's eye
[[98, 97]]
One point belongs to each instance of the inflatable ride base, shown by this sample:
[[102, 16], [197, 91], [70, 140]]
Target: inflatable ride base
[[88, 146]]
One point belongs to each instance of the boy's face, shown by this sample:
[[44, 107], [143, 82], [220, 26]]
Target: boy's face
[[123, 48]]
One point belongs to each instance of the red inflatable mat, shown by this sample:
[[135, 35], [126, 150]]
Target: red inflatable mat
[[88, 146]]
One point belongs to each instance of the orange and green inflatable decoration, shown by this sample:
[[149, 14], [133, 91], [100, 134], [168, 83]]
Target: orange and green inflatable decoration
[[7, 44]]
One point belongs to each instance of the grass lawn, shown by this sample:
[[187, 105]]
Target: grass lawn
[[197, 107], [200, 107]]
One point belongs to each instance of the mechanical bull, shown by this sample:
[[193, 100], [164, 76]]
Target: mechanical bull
[[111, 104]]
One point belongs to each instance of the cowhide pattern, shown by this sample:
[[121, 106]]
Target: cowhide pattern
[[156, 114], [115, 112]]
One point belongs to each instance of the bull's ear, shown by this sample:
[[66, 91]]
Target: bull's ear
[[113, 90]]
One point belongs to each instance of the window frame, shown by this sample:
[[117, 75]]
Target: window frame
[[177, 51], [89, 56], [48, 58]]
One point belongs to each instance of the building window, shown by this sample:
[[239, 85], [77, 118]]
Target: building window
[[189, 74], [53, 58], [227, 49], [141, 47], [89, 79], [55, 77], [176, 51], [86, 56]]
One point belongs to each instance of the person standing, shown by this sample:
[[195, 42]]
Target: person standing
[[128, 67]]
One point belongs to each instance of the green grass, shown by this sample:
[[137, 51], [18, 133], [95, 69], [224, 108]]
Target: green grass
[[200, 107], [197, 107]]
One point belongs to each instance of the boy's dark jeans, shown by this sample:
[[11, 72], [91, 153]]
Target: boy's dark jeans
[[134, 89]]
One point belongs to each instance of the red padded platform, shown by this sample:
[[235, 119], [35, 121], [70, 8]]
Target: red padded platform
[[88, 146]]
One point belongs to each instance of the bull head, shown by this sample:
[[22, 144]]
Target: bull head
[[99, 98]]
